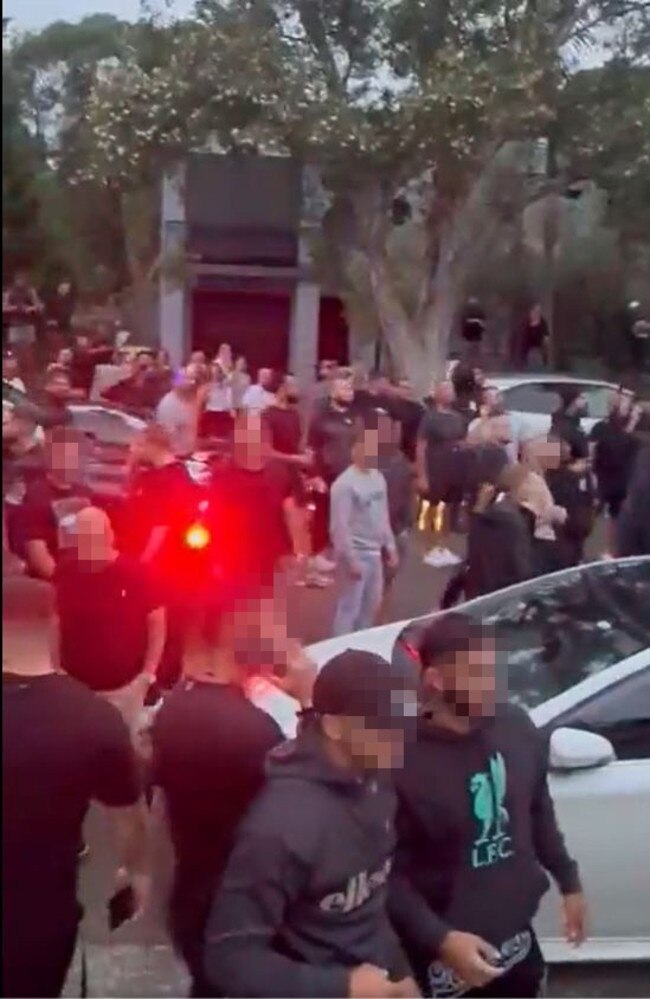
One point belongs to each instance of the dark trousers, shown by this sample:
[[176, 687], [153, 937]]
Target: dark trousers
[[38, 969], [171, 663]]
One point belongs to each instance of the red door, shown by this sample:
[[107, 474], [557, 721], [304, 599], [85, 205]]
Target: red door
[[254, 324]]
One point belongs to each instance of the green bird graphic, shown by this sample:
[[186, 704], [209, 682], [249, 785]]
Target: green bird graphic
[[498, 775], [489, 792], [483, 804]]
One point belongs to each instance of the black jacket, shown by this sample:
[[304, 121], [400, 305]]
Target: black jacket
[[634, 521], [476, 829], [499, 548], [303, 898]]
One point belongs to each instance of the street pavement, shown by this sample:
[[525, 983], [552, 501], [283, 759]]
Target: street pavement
[[137, 959]]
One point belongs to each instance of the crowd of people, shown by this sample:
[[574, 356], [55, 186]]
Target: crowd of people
[[346, 862]]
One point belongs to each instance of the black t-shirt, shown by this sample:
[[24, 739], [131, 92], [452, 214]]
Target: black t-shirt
[[473, 323], [209, 744], [615, 451], [248, 525], [162, 497], [285, 429], [443, 431], [331, 435], [103, 612], [409, 415], [62, 747], [48, 513]]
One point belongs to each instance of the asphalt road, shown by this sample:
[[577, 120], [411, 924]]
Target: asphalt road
[[137, 960]]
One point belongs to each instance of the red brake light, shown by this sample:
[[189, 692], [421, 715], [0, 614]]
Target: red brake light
[[197, 537]]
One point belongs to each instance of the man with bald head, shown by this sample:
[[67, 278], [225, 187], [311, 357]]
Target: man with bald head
[[259, 396], [110, 624]]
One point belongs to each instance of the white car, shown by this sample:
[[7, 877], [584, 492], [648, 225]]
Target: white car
[[533, 398], [574, 650]]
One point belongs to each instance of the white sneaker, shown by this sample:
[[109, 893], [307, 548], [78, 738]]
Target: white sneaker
[[432, 558], [441, 558], [448, 558], [322, 565]]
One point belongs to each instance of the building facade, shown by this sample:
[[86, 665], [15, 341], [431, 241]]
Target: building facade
[[238, 229]]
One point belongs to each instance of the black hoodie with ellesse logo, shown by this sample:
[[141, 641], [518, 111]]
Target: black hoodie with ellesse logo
[[476, 832], [303, 899]]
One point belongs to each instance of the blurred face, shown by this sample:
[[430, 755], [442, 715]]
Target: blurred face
[[197, 357], [581, 404], [59, 387], [535, 314], [444, 393], [368, 446], [241, 365], [388, 433], [492, 399], [144, 363], [367, 748], [625, 404], [291, 390], [20, 280], [500, 431], [65, 357], [64, 288], [250, 445], [466, 683], [549, 454], [64, 460], [264, 377], [83, 342], [94, 535], [342, 391]]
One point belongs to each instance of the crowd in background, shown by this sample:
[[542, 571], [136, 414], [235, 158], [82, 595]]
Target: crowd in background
[[310, 893]]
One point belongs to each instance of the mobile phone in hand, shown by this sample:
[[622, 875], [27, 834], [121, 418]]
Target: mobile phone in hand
[[121, 907]]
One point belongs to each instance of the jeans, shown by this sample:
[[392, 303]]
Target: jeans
[[129, 701], [359, 599]]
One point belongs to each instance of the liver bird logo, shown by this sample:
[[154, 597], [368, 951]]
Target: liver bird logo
[[488, 790]]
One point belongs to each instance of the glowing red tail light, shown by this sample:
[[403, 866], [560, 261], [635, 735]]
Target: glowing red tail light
[[197, 537]]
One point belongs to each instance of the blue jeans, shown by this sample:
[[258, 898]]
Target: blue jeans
[[359, 599]]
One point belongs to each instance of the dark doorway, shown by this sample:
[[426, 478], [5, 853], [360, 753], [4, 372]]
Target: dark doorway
[[332, 331], [255, 324]]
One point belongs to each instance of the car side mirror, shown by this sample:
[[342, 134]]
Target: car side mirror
[[575, 749]]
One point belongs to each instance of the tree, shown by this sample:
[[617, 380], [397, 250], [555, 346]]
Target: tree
[[441, 96]]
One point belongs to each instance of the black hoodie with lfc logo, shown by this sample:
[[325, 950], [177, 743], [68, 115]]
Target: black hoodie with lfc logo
[[303, 899], [476, 833]]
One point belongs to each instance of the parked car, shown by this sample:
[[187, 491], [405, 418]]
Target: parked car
[[535, 397], [574, 650]]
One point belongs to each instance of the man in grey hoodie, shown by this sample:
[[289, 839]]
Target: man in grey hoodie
[[360, 531]]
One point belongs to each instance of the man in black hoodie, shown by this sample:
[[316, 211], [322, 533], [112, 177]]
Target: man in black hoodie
[[301, 910], [633, 528], [476, 829]]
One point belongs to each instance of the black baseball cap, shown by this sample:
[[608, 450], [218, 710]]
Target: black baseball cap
[[360, 684]]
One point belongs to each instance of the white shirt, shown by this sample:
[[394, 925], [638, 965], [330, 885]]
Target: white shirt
[[256, 397]]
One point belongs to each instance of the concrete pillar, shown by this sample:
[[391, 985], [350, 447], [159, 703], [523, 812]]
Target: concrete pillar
[[175, 335], [305, 313]]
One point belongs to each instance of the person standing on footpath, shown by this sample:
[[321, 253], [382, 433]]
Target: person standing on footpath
[[476, 829], [440, 467], [178, 413], [209, 746], [109, 629], [301, 909], [361, 532], [62, 748], [161, 504], [614, 446], [330, 437]]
